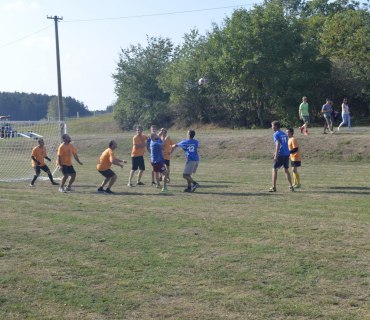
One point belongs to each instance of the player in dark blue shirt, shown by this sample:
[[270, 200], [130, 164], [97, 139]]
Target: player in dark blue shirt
[[157, 160]]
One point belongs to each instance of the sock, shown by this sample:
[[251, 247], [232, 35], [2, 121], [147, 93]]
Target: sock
[[51, 177], [297, 178], [294, 178], [33, 180]]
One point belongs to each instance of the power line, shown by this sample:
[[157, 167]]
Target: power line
[[127, 17], [157, 14], [23, 38]]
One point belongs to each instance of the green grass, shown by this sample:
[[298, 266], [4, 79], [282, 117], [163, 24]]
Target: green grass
[[230, 250]]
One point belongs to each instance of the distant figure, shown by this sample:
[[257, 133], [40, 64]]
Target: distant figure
[[104, 165], [190, 146], [137, 156], [327, 111], [346, 118], [65, 152], [295, 157], [281, 155], [304, 115], [157, 161], [167, 143], [38, 157]]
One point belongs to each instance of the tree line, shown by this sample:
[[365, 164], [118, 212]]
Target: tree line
[[32, 106], [258, 63]]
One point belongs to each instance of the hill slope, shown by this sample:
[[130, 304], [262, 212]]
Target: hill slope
[[92, 133]]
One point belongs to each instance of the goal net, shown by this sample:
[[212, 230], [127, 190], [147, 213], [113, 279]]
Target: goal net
[[18, 138]]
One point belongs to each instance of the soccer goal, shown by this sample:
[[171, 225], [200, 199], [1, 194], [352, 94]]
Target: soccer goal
[[18, 138]]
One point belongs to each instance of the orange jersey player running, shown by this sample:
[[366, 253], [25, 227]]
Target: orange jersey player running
[[38, 157], [65, 152], [104, 165], [295, 157], [137, 156]]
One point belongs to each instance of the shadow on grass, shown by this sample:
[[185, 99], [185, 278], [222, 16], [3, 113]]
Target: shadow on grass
[[204, 186], [238, 194], [350, 188], [159, 193], [346, 190], [218, 181]]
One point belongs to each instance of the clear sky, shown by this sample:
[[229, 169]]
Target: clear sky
[[91, 36]]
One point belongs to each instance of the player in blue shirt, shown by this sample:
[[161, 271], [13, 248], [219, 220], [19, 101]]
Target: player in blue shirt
[[157, 160], [153, 129], [190, 146], [281, 155]]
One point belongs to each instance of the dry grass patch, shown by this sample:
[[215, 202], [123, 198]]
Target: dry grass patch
[[231, 250]]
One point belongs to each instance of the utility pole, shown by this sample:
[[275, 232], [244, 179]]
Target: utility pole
[[60, 97]]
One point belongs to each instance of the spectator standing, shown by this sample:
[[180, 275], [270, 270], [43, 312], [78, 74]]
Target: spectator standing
[[304, 115], [346, 118]]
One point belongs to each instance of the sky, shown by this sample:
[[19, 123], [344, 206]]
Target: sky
[[91, 36]]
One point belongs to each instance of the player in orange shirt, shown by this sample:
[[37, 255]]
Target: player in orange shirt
[[295, 157], [104, 165], [38, 157], [167, 143], [137, 156], [65, 152]]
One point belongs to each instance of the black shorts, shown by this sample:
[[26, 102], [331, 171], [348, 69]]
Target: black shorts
[[68, 170], [281, 161], [167, 162], [44, 168], [295, 164], [138, 163], [107, 173]]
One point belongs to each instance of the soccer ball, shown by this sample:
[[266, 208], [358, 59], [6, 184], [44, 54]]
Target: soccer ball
[[202, 81]]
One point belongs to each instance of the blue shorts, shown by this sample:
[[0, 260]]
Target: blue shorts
[[281, 161]]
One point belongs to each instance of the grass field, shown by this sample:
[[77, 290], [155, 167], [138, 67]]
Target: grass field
[[230, 250]]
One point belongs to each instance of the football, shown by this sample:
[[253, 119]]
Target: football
[[202, 81]]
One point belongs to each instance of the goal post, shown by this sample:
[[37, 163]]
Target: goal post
[[18, 138]]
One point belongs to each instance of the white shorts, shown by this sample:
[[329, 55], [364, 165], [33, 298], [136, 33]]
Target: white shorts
[[191, 167]]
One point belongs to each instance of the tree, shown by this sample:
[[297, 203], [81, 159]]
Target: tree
[[263, 56], [140, 99], [180, 80], [32, 106], [345, 39], [53, 110], [74, 106]]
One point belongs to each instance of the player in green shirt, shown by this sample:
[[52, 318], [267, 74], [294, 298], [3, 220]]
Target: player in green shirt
[[304, 115]]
